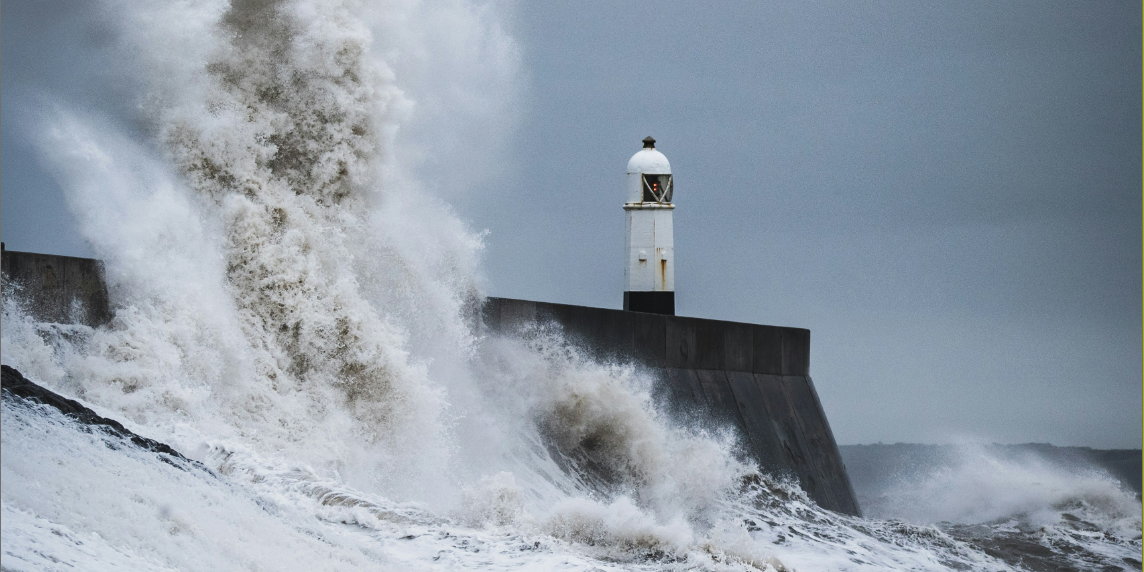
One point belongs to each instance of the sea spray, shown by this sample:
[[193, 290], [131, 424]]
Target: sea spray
[[295, 311], [277, 156], [975, 483]]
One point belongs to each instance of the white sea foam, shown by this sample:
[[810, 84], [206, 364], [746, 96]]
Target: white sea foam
[[974, 483], [297, 312]]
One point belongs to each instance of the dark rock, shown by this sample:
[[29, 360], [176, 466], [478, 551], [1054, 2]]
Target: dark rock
[[16, 386]]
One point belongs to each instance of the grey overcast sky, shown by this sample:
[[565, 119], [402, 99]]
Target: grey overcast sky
[[948, 194]]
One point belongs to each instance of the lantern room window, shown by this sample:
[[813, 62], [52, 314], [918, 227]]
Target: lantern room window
[[657, 188]]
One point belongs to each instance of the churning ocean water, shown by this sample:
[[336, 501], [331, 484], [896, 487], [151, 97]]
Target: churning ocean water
[[295, 315]]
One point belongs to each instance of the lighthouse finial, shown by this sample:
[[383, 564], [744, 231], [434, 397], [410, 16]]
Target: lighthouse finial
[[648, 143]]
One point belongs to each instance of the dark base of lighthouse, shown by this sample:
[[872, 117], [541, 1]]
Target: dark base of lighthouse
[[650, 302]]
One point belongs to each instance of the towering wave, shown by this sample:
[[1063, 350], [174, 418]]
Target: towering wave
[[298, 314]]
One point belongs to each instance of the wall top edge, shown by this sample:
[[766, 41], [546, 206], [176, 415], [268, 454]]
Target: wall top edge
[[664, 316], [46, 255]]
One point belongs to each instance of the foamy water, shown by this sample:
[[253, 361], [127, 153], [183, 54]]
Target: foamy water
[[295, 312]]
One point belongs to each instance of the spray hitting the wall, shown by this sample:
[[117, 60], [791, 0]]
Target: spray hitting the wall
[[294, 310], [283, 279], [270, 250]]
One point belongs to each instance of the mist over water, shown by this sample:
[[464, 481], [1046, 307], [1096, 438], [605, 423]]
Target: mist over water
[[297, 312], [972, 483]]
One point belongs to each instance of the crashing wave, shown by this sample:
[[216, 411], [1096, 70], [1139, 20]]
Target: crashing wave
[[297, 314]]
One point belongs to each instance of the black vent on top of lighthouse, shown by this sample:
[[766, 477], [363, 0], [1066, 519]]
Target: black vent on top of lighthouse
[[648, 143]]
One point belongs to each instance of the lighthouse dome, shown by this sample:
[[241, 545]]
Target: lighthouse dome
[[648, 160]]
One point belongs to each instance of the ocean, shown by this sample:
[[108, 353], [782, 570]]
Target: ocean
[[296, 315]]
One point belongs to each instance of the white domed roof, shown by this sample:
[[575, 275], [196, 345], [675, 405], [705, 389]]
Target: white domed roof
[[649, 161]]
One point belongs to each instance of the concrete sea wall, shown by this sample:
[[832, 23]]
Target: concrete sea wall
[[60, 289], [755, 378]]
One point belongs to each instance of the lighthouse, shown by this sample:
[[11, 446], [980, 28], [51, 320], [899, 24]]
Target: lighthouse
[[649, 270]]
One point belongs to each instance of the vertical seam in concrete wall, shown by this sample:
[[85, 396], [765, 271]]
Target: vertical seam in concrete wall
[[719, 397], [755, 418]]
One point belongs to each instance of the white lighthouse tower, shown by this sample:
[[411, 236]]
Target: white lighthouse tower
[[649, 272]]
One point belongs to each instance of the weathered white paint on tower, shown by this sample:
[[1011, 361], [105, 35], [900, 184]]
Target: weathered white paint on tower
[[650, 250]]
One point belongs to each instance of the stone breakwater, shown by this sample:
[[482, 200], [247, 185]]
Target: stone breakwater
[[753, 378]]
